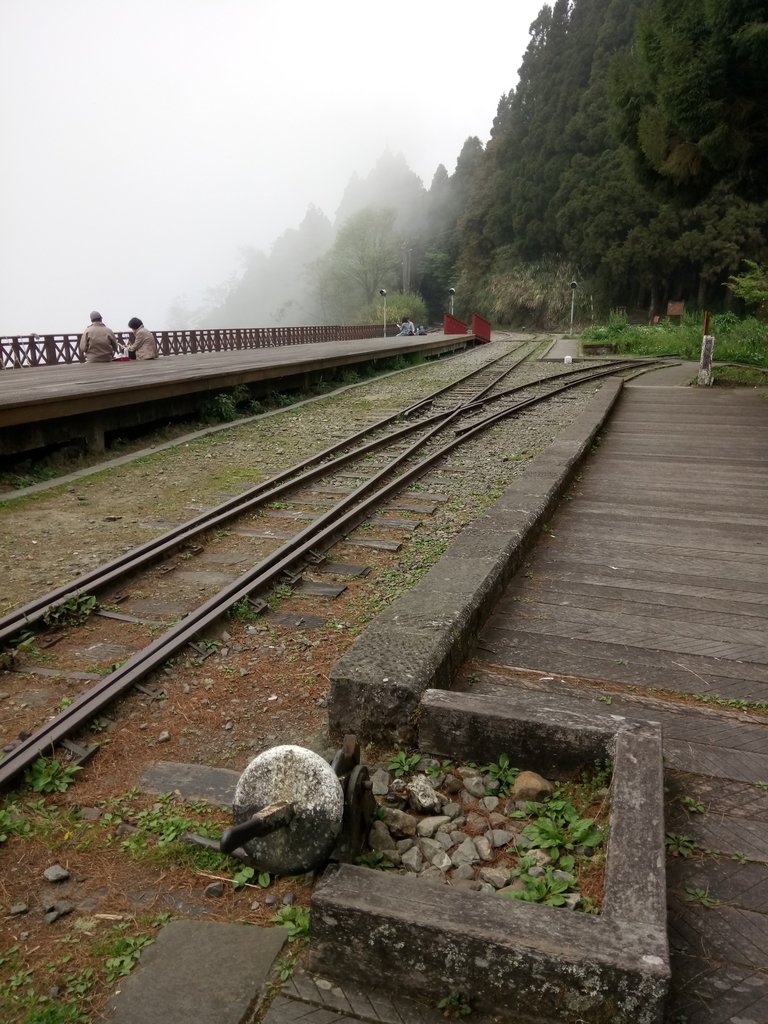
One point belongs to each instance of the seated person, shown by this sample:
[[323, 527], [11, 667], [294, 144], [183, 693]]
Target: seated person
[[98, 344], [143, 344], [406, 327]]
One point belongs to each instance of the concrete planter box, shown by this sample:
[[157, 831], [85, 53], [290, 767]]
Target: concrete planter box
[[518, 961], [597, 348]]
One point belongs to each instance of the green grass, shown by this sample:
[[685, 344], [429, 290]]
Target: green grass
[[739, 340], [740, 376]]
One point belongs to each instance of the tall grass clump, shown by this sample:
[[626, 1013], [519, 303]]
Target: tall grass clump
[[737, 339], [399, 306], [532, 295]]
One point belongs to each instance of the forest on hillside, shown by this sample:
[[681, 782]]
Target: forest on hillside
[[631, 157]]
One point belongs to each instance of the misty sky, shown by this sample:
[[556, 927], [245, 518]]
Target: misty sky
[[144, 144]]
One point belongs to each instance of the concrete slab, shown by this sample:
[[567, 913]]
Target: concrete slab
[[679, 375], [562, 347], [191, 781], [292, 620], [201, 971]]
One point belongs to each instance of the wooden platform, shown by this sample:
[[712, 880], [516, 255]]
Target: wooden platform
[[45, 404], [654, 576]]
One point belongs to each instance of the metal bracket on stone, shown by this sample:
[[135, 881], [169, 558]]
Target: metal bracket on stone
[[150, 692], [256, 604], [291, 576], [347, 757], [201, 651], [80, 751], [359, 801]]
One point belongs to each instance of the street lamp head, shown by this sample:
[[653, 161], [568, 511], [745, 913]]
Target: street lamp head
[[574, 285], [451, 291], [382, 291]]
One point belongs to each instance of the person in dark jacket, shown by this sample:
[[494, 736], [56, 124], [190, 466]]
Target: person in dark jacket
[[98, 344]]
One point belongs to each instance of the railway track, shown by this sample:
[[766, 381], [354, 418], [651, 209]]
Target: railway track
[[337, 490]]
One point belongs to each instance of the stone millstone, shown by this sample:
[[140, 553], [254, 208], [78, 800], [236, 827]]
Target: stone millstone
[[304, 779]]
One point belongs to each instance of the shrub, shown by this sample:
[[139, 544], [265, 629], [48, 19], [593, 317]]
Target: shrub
[[737, 339]]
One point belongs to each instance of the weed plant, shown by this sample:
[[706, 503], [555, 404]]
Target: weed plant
[[403, 764], [57, 994], [739, 340], [50, 775], [376, 859], [72, 612], [295, 919], [455, 1004]]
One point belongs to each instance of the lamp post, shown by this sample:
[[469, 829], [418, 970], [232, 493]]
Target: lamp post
[[574, 286], [383, 294], [451, 292]]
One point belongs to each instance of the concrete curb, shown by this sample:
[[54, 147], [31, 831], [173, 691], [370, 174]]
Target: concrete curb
[[420, 641]]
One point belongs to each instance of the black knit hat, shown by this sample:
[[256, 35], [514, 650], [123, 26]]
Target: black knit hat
[[134, 323]]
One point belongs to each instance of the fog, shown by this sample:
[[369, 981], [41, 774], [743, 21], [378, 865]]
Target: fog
[[145, 146]]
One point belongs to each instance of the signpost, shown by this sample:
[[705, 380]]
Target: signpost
[[707, 352], [574, 286]]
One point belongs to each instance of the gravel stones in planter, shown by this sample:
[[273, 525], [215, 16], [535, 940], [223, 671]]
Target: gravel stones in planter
[[475, 841], [531, 786], [422, 797]]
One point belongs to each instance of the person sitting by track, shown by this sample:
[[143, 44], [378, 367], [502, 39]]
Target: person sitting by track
[[406, 327], [143, 344]]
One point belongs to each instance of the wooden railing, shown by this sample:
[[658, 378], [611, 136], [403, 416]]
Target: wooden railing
[[51, 349]]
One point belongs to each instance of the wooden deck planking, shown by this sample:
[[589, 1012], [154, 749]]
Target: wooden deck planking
[[654, 573], [35, 394]]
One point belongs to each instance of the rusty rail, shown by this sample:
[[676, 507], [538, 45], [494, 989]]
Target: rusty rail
[[330, 526], [25, 350]]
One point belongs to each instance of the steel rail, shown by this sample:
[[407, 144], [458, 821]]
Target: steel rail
[[152, 551], [587, 375], [100, 577], [437, 394], [323, 532], [144, 555], [141, 557]]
